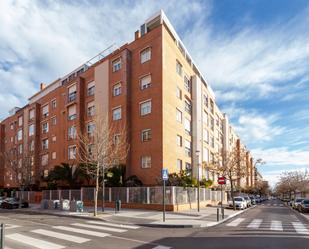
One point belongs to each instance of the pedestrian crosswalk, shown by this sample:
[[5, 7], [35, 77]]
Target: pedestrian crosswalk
[[58, 237], [294, 226], [272, 205]]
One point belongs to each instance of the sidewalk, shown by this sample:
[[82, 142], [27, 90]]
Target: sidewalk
[[207, 217]]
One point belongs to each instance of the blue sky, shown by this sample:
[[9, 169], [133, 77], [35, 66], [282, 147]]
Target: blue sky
[[254, 54]]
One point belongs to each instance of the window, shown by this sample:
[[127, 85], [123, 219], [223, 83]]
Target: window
[[145, 107], [45, 111], [54, 120], [45, 144], [205, 118], [31, 145], [116, 65], [117, 113], [54, 155], [187, 125], [44, 128], [20, 135], [146, 162], [31, 130], [205, 100], [72, 152], [179, 140], [189, 168], [20, 121], [116, 139], [178, 68], [205, 155], [117, 89], [90, 128], [54, 138], [45, 172], [187, 106], [212, 141], [212, 123], [90, 149], [217, 120], [187, 83], [187, 148], [72, 93], [212, 106], [11, 126], [146, 135], [178, 93], [54, 104], [178, 116], [31, 114], [179, 165], [90, 88], [20, 149], [44, 161], [145, 82], [72, 132], [90, 109], [145, 55], [72, 112], [206, 136]]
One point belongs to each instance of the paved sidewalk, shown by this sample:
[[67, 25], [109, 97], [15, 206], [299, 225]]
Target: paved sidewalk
[[207, 217]]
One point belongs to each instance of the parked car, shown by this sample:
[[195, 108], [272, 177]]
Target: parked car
[[1, 199], [11, 203], [304, 206], [296, 202], [248, 201], [253, 200], [240, 202]]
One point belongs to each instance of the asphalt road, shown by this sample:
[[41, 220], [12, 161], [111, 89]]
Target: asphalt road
[[271, 226]]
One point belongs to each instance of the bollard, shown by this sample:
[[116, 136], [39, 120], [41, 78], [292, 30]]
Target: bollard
[[2, 236], [218, 217], [222, 212]]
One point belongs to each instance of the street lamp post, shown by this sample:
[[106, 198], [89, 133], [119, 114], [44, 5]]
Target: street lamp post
[[198, 180]]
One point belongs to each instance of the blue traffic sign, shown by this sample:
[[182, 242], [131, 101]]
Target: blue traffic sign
[[164, 174]]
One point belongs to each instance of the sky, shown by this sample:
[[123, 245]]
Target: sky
[[253, 53]]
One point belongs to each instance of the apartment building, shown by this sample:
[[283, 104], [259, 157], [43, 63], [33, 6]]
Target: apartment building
[[150, 86]]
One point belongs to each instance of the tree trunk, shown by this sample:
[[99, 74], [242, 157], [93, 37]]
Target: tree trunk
[[96, 191], [232, 193]]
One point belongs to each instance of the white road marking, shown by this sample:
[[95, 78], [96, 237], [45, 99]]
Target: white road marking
[[275, 204], [112, 224], [62, 236], [161, 247], [255, 223], [300, 228], [281, 205], [276, 225], [9, 226], [36, 243], [235, 222], [83, 231], [111, 229]]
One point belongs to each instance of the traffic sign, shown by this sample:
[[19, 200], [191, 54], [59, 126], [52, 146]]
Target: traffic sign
[[221, 180], [164, 174]]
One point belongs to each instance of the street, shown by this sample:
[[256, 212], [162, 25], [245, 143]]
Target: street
[[269, 225]]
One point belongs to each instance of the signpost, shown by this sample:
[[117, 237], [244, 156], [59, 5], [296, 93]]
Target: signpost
[[222, 181], [164, 178]]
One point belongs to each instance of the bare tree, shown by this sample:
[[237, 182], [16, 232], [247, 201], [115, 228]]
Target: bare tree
[[20, 165], [102, 147], [232, 165]]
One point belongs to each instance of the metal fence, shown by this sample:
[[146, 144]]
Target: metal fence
[[144, 195]]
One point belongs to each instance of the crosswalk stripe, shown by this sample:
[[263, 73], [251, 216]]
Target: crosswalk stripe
[[161, 247], [276, 225], [111, 229], [275, 204], [61, 236], [83, 231], [37, 243], [255, 223], [300, 228], [235, 222], [112, 224]]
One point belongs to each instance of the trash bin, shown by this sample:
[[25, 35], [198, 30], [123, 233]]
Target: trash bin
[[65, 205], [79, 206], [44, 204], [56, 204], [117, 205]]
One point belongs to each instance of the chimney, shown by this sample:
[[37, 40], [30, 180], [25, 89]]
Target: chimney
[[42, 86], [137, 34]]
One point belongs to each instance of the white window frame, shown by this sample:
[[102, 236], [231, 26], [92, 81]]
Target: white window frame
[[117, 89], [145, 107], [116, 64], [145, 55], [178, 115], [146, 135], [143, 83], [117, 113], [146, 162]]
